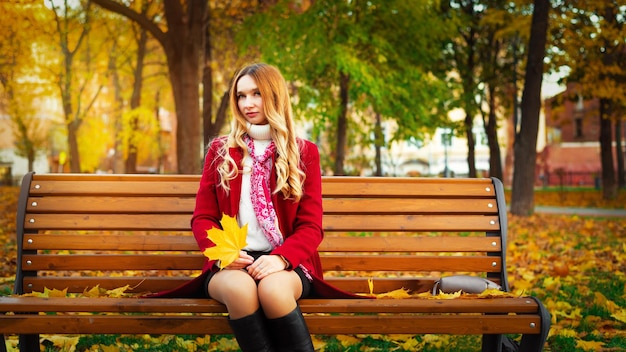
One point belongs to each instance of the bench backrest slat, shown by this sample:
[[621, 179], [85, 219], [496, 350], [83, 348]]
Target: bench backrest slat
[[135, 229], [109, 205], [409, 206], [343, 223], [183, 242], [121, 262]]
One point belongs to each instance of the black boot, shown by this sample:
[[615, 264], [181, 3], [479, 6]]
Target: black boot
[[290, 333], [251, 332]]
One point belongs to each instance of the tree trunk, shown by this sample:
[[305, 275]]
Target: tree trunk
[[72, 141], [609, 186], [135, 100], [525, 148], [116, 165], [207, 86], [70, 118], [491, 129], [471, 143], [469, 86], [378, 144], [619, 153], [183, 43], [220, 116], [342, 125]]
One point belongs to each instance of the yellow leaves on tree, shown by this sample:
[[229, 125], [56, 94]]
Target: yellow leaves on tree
[[228, 242]]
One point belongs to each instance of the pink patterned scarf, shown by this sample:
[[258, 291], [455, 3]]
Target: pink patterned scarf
[[261, 194]]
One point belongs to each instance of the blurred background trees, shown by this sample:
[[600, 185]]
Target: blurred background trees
[[115, 79]]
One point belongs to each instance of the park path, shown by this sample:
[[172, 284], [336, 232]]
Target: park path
[[597, 212]]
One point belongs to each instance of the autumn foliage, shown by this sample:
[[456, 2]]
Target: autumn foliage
[[575, 265]]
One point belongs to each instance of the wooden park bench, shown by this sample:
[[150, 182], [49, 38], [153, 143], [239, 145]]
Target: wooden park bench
[[77, 232]]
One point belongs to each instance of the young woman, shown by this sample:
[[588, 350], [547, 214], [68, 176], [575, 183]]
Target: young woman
[[270, 180]]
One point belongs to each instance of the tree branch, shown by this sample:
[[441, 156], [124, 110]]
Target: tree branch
[[138, 18]]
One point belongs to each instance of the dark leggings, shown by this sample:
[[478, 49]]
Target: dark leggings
[[306, 284]]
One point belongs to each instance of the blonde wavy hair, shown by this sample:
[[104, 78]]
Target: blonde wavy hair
[[278, 111]]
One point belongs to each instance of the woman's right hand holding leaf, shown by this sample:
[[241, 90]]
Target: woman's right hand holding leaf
[[242, 262]]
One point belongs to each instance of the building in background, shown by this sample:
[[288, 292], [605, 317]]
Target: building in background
[[571, 156]]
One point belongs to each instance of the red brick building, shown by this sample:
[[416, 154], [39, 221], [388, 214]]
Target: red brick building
[[571, 156]]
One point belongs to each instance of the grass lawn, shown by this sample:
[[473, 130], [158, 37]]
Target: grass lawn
[[575, 265]]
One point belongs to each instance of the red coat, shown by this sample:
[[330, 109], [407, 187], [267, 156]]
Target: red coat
[[299, 222]]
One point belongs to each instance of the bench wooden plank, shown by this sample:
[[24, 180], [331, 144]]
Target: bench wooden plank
[[106, 262], [160, 282], [142, 204], [147, 186], [121, 221], [408, 206], [411, 223], [308, 305], [186, 242], [364, 324], [410, 244], [343, 223], [109, 242], [406, 187], [120, 205]]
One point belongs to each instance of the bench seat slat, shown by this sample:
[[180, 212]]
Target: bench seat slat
[[202, 305], [139, 284], [160, 283], [201, 325], [108, 262], [101, 242]]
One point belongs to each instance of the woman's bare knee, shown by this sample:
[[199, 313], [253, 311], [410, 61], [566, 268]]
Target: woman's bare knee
[[237, 290], [278, 293]]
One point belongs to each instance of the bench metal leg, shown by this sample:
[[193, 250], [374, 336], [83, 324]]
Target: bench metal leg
[[29, 343], [3, 347], [535, 343]]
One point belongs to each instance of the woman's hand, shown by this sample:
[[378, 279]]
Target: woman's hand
[[242, 262], [266, 265]]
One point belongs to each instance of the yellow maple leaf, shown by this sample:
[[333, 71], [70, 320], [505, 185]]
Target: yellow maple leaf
[[411, 345], [318, 343], [348, 340], [54, 292], [118, 292], [93, 292], [398, 294], [602, 301], [64, 343], [109, 348], [449, 295], [589, 345], [620, 315], [228, 242], [494, 292]]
